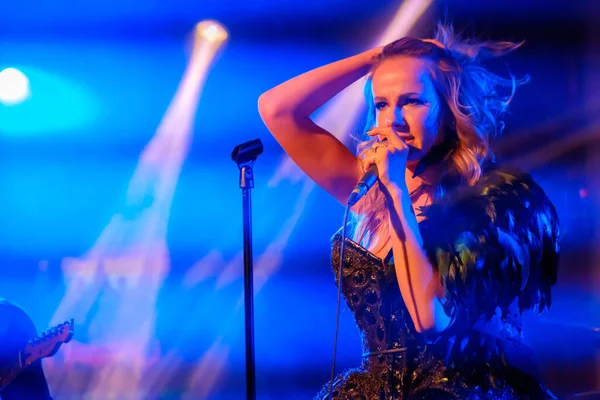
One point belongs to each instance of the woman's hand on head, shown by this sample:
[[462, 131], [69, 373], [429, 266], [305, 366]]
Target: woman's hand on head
[[390, 154], [374, 53]]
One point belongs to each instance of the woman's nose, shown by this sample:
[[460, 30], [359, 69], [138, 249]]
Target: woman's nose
[[397, 119]]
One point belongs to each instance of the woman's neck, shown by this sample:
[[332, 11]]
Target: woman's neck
[[421, 187], [429, 178]]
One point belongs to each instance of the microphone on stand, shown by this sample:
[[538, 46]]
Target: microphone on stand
[[363, 186]]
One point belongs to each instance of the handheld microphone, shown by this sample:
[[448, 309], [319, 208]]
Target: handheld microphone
[[367, 181]]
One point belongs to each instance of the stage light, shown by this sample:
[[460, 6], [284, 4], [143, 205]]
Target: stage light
[[211, 31], [14, 86]]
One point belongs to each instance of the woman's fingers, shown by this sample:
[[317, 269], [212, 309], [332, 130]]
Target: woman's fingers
[[390, 134], [367, 161], [395, 140], [377, 156], [380, 133], [389, 154]]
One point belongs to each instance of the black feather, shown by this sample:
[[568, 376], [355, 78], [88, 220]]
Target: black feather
[[494, 243]]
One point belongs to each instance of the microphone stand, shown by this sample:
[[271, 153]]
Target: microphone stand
[[244, 155]]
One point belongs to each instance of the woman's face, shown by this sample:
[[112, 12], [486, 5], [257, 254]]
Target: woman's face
[[405, 99]]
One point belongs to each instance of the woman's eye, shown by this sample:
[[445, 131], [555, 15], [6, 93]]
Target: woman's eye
[[414, 101], [380, 105]]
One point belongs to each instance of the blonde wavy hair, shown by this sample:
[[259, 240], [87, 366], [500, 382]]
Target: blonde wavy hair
[[473, 102]]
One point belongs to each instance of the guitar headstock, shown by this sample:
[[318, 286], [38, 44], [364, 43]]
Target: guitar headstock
[[48, 343]]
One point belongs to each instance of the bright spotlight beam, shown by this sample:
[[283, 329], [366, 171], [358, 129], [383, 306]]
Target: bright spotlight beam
[[130, 259]]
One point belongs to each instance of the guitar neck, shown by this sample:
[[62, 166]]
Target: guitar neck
[[45, 345]]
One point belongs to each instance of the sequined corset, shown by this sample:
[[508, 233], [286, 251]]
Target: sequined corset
[[371, 292]]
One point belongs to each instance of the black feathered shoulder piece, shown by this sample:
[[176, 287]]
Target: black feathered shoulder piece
[[495, 244]]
